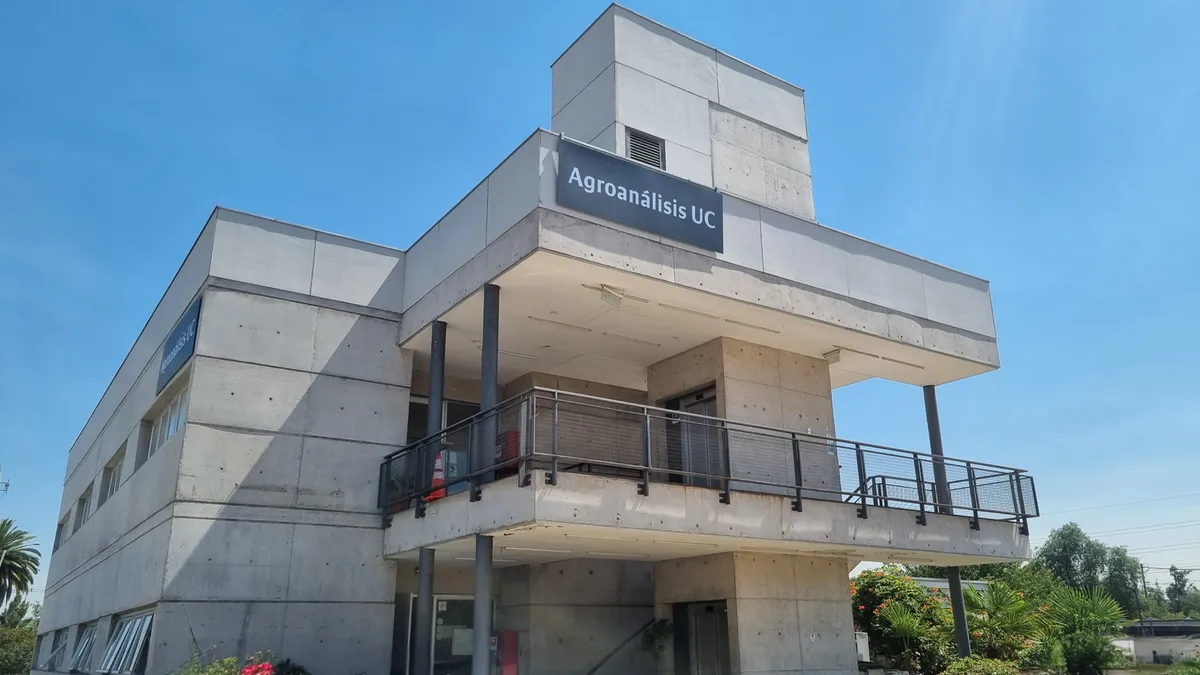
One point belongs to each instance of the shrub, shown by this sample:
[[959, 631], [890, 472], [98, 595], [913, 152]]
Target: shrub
[[873, 591], [1088, 653], [975, 665], [1185, 667], [16, 649], [1043, 655]]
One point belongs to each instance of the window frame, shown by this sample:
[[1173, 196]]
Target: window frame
[[62, 532], [127, 644], [110, 477], [84, 644], [58, 646], [83, 507]]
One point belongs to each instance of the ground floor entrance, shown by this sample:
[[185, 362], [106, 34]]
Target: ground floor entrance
[[701, 638]]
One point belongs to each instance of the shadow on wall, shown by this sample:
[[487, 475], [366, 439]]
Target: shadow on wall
[[276, 543]]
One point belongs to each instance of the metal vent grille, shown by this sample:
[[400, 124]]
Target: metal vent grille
[[645, 148]]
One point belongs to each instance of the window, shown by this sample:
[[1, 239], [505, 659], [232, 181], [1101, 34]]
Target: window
[[57, 648], [82, 661], [645, 148], [37, 651], [60, 533], [110, 480], [127, 646], [156, 432], [83, 508]]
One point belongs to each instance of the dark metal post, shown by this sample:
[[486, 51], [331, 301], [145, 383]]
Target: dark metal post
[[798, 471], [861, 461], [423, 630], [481, 655], [489, 383], [942, 489], [647, 456]]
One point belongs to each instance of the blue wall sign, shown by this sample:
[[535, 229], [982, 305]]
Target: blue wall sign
[[180, 345]]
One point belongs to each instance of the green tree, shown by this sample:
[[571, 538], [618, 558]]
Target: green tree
[[19, 560], [972, 572], [910, 628], [16, 649], [1177, 590], [1075, 558], [17, 613], [1121, 575]]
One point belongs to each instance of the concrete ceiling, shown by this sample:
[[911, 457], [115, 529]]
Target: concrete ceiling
[[554, 320]]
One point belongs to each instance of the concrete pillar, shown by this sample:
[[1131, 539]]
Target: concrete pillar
[[481, 655], [423, 629], [942, 489]]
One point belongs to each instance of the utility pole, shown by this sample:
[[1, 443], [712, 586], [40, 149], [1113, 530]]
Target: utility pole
[[1145, 592], [3, 483]]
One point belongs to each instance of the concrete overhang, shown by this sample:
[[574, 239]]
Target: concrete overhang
[[590, 516], [782, 282]]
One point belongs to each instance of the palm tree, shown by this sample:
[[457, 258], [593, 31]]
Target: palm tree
[[1086, 610], [909, 627], [19, 560], [1001, 621]]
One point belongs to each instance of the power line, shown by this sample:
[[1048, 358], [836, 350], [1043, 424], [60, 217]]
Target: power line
[[1153, 527], [1109, 506]]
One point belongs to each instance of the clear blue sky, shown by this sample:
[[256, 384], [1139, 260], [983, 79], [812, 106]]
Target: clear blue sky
[[1050, 147]]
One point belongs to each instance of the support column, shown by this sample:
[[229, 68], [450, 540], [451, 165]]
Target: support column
[[481, 655], [423, 628], [942, 489], [489, 382]]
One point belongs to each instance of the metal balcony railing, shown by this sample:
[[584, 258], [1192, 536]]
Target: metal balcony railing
[[559, 432]]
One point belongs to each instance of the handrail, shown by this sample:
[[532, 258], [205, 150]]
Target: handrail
[[561, 431], [721, 422]]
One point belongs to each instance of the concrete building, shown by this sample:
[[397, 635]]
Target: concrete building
[[594, 401]]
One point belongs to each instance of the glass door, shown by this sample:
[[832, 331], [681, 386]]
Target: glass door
[[708, 638], [702, 440], [453, 634]]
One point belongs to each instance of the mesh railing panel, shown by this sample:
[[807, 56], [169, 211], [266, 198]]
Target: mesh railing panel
[[565, 432]]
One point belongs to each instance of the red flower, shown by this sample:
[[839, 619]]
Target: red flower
[[861, 607]]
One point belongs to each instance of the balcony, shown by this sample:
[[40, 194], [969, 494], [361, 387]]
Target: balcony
[[546, 435]]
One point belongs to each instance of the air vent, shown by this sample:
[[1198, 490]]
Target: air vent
[[645, 148]]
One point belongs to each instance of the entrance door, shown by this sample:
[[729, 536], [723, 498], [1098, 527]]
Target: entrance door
[[453, 623], [701, 439], [708, 638]]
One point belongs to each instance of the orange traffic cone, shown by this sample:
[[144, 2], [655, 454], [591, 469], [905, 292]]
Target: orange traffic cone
[[439, 481]]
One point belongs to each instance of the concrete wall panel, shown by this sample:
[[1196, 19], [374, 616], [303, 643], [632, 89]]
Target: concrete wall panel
[[361, 347], [264, 252], [612, 139], [689, 164], [592, 110], [218, 629], [664, 54], [768, 635], [339, 637], [571, 236], [228, 560], [239, 466], [513, 188], [661, 109], [885, 277], [340, 475], [335, 564], [833, 627], [751, 92], [743, 234], [789, 190], [248, 396], [357, 411], [955, 299], [585, 59], [256, 329], [358, 273], [738, 172]]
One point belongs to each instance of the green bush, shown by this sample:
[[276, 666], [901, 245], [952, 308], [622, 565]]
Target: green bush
[[975, 665], [16, 649], [1089, 653], [873, 591], [1185, 667], [288, 667], [1044, 654]]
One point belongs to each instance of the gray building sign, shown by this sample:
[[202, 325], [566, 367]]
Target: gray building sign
[[180, 345], [623, 191]]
